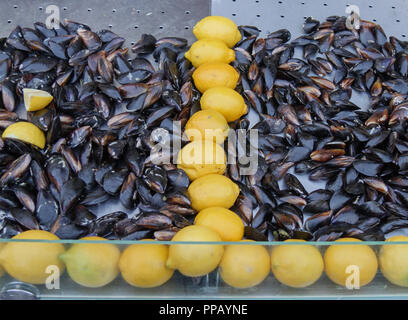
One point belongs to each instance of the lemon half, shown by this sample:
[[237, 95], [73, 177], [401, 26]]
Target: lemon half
[[36, 99], [25, 131]]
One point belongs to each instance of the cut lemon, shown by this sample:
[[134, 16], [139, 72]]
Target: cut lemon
[[25, 131], [36, 99]]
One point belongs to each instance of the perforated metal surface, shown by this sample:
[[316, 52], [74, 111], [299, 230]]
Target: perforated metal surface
[[271, 15], [128, 18]]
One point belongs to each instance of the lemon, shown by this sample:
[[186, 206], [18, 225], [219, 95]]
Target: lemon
[[29, 261], [199, 158], [209, 50], [25, 131], [226, 101], [195, 260], [223, 221], [244, 266], [2, 244], [217, 27], [215, 74], [359, 258], [144, 265], [207, 125], [92, 264], [393, 259], [296, 266], [212, 190], [36, 99]]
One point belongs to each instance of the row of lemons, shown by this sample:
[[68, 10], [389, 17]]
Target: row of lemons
[[204, 161], [94, 264]]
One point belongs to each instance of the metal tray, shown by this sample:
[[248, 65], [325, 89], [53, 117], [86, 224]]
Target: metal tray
[[132, 18]]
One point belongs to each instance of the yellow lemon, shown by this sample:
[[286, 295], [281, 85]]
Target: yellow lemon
[[2, 244], [144, 265], [92, 264], [36, 99], [212, 190], [199, 158], [209, 50], [244, 266], [217, 27], [195, 260], [226, 101], [350, 262], [207, 125], [30, 261], [25, 131], [393, 259], [223, 221], [296, 266], [215, 74]]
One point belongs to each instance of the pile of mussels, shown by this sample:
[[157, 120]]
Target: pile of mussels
[[98, 132], [106, 106], [308, 124]]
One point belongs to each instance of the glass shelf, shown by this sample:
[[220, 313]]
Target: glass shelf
[[209, 286]]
